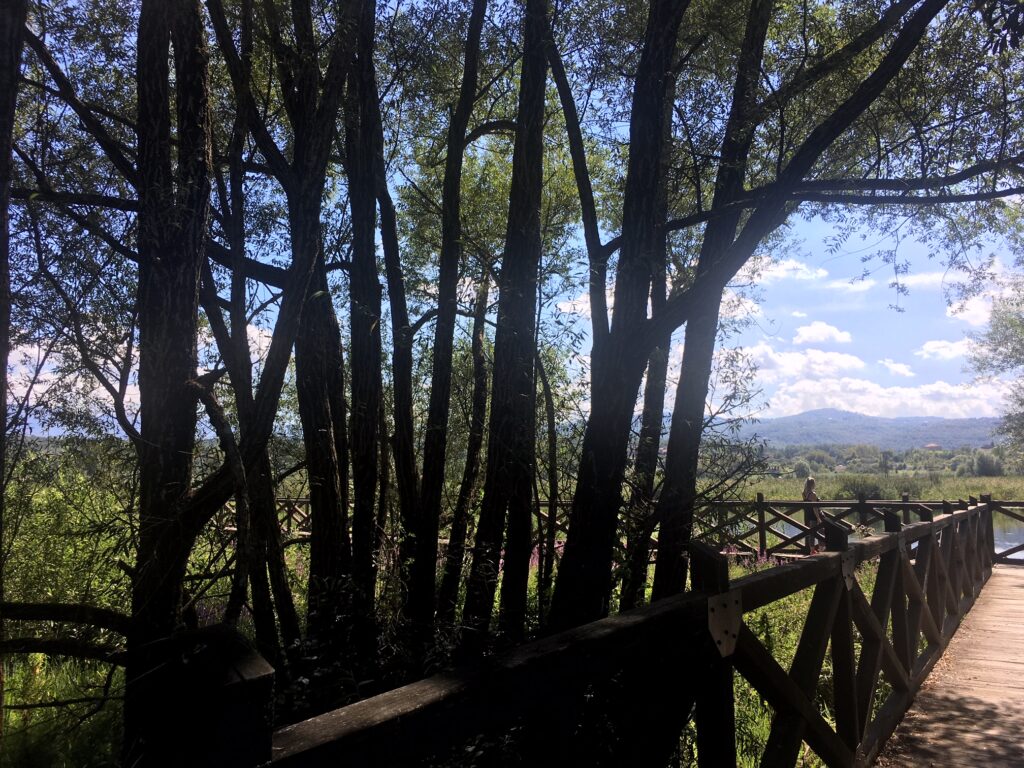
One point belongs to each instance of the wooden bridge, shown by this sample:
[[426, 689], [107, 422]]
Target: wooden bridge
[[883, 607]]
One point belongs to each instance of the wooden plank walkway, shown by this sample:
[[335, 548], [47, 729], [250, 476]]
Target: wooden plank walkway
[[970, 711]]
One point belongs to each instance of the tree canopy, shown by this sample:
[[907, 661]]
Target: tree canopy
[[316, 249]]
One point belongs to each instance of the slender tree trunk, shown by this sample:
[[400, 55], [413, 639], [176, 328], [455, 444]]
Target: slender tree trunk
[[508, 480], [679, 491], [640, 514], [420, 607], [365, 294], [12, 22], [583, 589], [173, 208], [316, 353], [546, 535], [448, 595]]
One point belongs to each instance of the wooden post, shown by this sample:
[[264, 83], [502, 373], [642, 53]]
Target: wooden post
[[715, 711], [893, 523], [986, 544], [906, 510], [837, 537], [762, 527], [862, 509], [844, 663], [218, 701]]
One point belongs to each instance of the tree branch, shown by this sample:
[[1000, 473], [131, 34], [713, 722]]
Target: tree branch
[[491, 126], [92, 124], [76, 613], [60, 646], [73, 198]]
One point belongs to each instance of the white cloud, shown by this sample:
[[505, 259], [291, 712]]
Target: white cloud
[[818, 332], [940, 349], [798, 313], [848, 286], [577, 306], [938, 398], [809, 363], [580, 305], [259, 341], [735, 306], [791, 269], [923, 280], [975, 311], [898, 369]]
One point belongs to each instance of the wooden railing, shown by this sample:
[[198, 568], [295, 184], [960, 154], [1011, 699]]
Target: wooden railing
[[603, 686], [783, 529], [293, 515]]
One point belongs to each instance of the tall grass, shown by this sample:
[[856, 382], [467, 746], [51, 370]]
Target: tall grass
[[930, 487], [83, 730]]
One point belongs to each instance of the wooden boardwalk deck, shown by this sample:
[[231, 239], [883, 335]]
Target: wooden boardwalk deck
[[970, 711]]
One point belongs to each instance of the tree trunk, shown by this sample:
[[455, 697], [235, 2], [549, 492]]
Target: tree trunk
[[365, 295], [679, 494], [420, 608], [173, 208], [582, 592], [640, 517], [546, 536], [12, 22], [508, 480], [448, 595], [640, 514], [679, 491], [317, 358]]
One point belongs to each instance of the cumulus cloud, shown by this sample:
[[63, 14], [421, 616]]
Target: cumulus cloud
[[776, 366], [735, 306], [898, 369], [791, 269], [851, 286], [819, 332], [938, 398], [923, 279], [259, 341], [580, 305], [798, 313], [940, 349], [975, 311]]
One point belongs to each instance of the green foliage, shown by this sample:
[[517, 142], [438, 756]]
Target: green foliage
[[83, 734], [987, 465]]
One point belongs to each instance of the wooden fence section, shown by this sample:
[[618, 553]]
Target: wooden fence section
[[1015, 511], [784, 529], [293, 515], [687, 649]]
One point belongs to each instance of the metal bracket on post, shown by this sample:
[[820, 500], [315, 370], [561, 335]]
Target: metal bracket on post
[[849, 564], [725, 614]]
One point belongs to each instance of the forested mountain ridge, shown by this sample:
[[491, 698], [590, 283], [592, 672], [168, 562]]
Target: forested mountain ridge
[[834, 426]]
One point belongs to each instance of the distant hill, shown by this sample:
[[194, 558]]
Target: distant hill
[[832, 426]]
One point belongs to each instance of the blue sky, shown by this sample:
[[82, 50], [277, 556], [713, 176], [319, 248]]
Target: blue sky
[[825, 338]]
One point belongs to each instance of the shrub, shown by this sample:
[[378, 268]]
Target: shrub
[[855, 486], [987, 465]]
